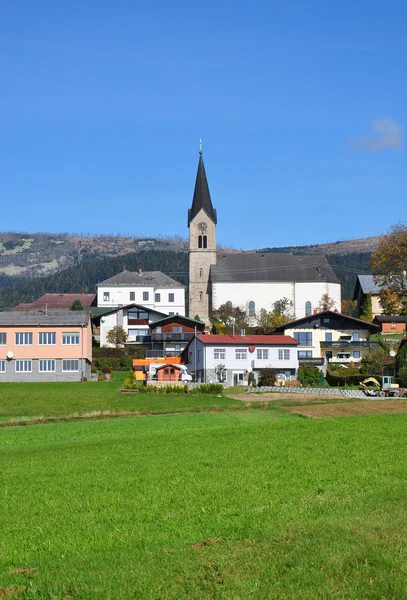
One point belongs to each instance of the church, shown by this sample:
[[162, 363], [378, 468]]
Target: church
[[249, 280]]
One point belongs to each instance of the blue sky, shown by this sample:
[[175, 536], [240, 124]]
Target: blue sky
[[301, 107]]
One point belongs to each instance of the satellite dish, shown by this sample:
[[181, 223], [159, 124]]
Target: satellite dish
[[392, 353], [10, 354]]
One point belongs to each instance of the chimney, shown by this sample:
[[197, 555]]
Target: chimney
[[140, 271]]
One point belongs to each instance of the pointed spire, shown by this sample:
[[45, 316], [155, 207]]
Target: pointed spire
[[202, 197]]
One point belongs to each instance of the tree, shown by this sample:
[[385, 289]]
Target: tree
[[374, 363], [390, 302], [267, 377], [309, 375], [389, 267], [326, 302], [76, 305], [402, 377], [117, 336], [282, 313], [348, 307], [366, 313], [231, 317]]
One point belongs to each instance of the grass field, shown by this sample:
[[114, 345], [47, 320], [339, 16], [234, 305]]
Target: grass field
[[231, 504]]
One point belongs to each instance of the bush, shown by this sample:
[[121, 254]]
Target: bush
[[130, 382], [118, 359], [341, 377], [93, 369], [267, 377], [402, 376], [309, 375], [101, 377], [106, 369], [207, 388]]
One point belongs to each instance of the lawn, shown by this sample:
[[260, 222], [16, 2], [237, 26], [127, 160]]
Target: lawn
[[28, 400], [239, 504]]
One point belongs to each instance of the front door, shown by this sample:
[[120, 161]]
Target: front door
[[238, 378]]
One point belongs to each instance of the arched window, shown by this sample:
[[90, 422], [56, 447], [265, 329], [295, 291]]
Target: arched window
[[199, 241], [200, 272], [229, 304], [277, 307], [308, 308], [252, 308], [200, 296], [205, 241]]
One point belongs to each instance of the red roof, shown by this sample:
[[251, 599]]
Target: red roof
[[248, 340], [61, 301], [21, 306]]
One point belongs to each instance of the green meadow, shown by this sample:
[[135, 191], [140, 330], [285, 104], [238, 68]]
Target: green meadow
[[226, 502]]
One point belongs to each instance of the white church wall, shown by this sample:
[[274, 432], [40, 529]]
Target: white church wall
[[265, 294]]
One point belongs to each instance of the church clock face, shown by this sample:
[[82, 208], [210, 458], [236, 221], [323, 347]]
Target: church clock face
[[202, 226]]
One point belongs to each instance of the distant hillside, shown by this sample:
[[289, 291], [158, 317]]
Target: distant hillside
[[31, 265]]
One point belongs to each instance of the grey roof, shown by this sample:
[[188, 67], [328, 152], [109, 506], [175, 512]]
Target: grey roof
[[177, 317], [202, 197], [54, 317], [254, 266], [390, 319], [113, 309], [134, 278], [368, 284]]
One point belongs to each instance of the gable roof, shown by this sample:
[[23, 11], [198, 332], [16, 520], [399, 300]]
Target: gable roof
[[134, 278], [248, 340], [181, 318], [109, 311], [57, 302], [202, 197], [39, 317], [273, 266], [357, 323], [390, 319], [367, 285]]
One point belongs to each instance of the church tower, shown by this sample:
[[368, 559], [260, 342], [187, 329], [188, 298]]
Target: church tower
[[202, 246]]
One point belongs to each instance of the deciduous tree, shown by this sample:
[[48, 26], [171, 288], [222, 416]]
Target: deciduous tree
[[326, 302], [389, 264], [117, 336]]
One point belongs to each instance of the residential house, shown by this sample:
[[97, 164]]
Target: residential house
[[134, 319], [152, 289], [170, 335], [330, 337], [391, 323], [239, 360], [365, 284], [45, 346]]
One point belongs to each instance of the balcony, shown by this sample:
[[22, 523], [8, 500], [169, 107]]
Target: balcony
[[342, 345], [138, 339], [172, 337], [316, 361]]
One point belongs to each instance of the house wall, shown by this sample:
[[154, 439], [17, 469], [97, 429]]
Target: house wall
[[206, 362], [265, 294], [119, 318], [393, 327], [120, 294], [163, 376], [35, 352]]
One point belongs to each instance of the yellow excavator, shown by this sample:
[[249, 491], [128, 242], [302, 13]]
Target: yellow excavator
[[389, 389]]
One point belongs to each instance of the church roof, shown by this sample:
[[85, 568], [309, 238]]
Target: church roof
[[273, 266], [202, 197]]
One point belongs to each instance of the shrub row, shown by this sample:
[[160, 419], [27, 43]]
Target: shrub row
[[118, 359], [130, 383]]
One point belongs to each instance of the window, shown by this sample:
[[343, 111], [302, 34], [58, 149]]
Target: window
[[24, 339], [241, 354], [137, 313], [219, 353], [328, 336], [393, 324], [199, 241], [177, 347], [171, 297], [157, 298], [262, 354], [252, 308], [70, 365], [2, 366], [172, 370], [356, 354], [145, 296], [355, 336], [47, 366], [106, 296], [229, 304], [132, 296], [23, 366], [200, 272], [166, 371], [304, 354], [277, 307], [47, 338], [158, 329], [3, 339], [177, 329], [304, 338], [283, 355], [199, 355], [70, 339], [200, 296], [308, 308], [205, 241]]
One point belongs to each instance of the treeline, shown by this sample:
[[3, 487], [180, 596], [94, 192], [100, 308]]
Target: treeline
[[83, 278]]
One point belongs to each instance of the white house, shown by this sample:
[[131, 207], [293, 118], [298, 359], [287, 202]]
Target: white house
[[238, 360], [152, 289], [134, 319]]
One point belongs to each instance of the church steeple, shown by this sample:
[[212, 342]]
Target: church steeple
[[202, 197]]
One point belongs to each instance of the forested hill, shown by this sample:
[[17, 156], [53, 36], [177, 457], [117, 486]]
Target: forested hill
[[84, 277]]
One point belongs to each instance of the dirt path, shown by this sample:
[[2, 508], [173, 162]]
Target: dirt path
[[351, 409], [283, 397]]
